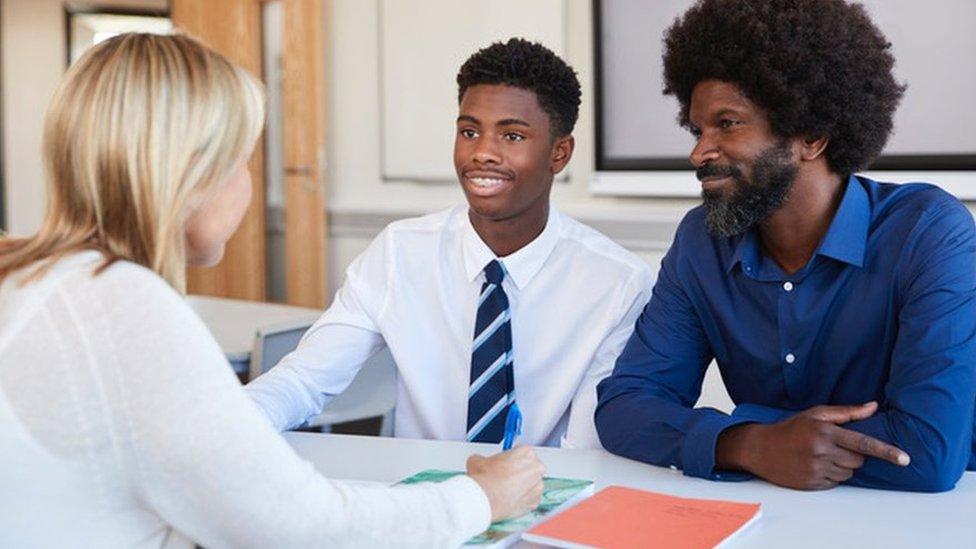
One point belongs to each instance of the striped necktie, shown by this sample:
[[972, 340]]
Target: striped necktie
[[492, 389]]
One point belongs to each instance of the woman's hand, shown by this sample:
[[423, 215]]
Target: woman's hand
[[512, 481]]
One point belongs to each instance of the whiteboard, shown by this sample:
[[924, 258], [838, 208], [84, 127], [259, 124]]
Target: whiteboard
[[933, 43], [423, 44]]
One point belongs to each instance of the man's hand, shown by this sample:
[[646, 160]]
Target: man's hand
[[807, 451]]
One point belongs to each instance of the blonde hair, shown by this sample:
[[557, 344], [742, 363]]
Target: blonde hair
[[141, 131]]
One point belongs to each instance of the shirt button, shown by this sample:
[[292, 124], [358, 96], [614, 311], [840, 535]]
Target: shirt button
[[790, 358], [788, 286]]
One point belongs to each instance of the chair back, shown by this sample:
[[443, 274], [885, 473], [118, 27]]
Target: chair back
[[371, 393], [273, 342]]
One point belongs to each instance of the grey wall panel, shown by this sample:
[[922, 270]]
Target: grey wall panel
[[933, 43]]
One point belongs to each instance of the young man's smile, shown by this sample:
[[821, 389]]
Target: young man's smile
[[486, 183], [505, 154]]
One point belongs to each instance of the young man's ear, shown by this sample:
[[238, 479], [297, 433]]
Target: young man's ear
[[562, 151], [812, 148]]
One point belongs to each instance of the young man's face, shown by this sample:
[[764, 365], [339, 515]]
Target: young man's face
[[504, 153], [745, 169]]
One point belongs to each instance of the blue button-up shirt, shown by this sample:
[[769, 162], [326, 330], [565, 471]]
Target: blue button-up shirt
[[885, 310]]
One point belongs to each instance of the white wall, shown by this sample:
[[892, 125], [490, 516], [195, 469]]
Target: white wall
[[355, 182], [356, 185], [358, 193], [33, 62]]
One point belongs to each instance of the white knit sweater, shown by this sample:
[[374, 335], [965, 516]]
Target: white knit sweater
[[121, 425]]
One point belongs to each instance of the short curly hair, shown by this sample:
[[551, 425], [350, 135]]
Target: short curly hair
[[531, 66], [817, 67]]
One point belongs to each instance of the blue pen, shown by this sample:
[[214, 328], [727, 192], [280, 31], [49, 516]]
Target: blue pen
[[513, 426]]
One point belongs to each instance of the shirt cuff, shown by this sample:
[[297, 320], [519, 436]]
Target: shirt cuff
[[758, 413], [698, 453]]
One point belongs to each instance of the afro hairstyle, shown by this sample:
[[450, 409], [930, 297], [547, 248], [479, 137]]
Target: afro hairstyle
[[818, 68], [530, 66]]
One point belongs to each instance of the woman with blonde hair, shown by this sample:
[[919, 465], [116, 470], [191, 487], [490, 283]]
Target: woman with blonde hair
[[121, 423]]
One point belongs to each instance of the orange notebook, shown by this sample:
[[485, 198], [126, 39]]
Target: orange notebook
[[626, 517]]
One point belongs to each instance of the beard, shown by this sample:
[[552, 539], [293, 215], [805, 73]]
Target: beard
[[735, 211]]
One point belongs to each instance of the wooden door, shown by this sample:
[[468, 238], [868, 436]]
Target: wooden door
[[232, 27], [303, 129]]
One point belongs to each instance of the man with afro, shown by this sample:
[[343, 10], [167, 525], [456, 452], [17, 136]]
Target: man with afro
[[495, 311], [840, 310]]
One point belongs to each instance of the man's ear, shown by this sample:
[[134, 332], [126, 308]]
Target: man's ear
[[562, 152], [812, 148]]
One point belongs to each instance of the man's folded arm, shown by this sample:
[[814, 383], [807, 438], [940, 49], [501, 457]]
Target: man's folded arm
[[760, 413], [927, 409]]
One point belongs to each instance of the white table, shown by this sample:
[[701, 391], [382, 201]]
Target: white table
[[842, 517], [233, 322]]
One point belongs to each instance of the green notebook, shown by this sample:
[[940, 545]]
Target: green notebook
[[557, 494]]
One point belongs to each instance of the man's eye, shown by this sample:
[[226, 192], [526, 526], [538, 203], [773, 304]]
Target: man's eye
[[468, 133], [511, 136], [695, 132], [727, 123]]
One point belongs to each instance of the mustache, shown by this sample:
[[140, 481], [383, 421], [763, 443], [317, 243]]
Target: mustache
[[718, 170]]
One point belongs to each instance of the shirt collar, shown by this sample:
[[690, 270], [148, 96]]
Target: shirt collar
[[522, 265], [846, 239], [746, 251]]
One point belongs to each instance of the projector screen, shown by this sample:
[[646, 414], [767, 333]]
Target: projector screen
[[933, 43]]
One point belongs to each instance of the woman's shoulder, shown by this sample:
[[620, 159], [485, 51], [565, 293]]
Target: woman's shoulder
[[146, 320], [45, 285], [127, 278], [129, 293], [119, 293], [87, 278], [86, 269]]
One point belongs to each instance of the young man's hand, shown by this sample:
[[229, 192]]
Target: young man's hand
[[808, 451]]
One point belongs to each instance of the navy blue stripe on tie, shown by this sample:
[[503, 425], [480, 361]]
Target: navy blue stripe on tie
[[491, 385], [491, 426]]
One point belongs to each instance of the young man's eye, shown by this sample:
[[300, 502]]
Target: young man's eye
[[468, 133], [512, 136], [695, 132], [727, 123]]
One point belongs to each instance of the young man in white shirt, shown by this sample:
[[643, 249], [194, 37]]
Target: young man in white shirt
[[500, 305]]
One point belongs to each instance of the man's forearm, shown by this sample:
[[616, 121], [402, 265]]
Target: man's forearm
[[640, 425], [938, 459]]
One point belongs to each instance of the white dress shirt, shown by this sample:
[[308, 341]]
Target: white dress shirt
[[574, 297], [121, 425]]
